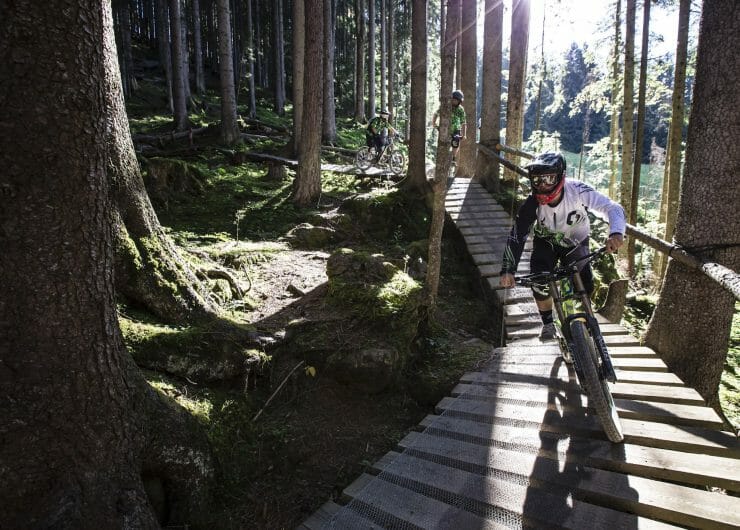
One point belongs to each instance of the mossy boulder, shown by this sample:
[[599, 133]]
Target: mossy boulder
[[310, 237], [386, 214], [374, 318]]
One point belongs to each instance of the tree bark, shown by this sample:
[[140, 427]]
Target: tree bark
[[469, 66], [383, 56], [371, 58], [360, 61], [628, 112], [490, 133], [178, 74], [691, 323], [329, 122], [229, 126], [391, 59], [444, 157], [614, 103], [307, 184], [200, 79], [81, 426], [672, 173], [634, 200], [299, 55], [417, 179], [252, 113], [517, 78]]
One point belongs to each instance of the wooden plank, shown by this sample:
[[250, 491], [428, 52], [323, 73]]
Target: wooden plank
[[514, 295], [638, 364], [642, 496], [662, 435], [401, 505], [632, 351], [719, 469], [320, 517], [502, 224], [490, 494]]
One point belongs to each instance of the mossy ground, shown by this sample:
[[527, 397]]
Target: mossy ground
[[316, 435]]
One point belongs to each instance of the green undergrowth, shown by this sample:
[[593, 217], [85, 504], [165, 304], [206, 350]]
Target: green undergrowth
[[729, 387]]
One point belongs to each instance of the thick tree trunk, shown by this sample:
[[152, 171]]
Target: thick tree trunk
[[672, 174], [634, 200], [163, 44], [279, 52], [299, 55], [372, 110], [229, 126], [517, 78], [179, 81], [81, 426], [614, 103], [628, 112], [391, 59], [469, 67], [490, 133], [307, 184], [329, 122], [444, 157], [691, 323], [417, 179], [360, 61], [200, 80], [383, 55]]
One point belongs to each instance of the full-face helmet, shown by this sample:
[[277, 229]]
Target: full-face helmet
[[546, 176], [458, 95]]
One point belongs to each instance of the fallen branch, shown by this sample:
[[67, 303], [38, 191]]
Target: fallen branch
[[221, 274], [277, 390]]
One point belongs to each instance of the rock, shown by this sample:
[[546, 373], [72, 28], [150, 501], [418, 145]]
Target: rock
[[307, 236]]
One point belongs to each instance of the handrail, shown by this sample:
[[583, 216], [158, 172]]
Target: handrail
[[513, 151], [724, 276]]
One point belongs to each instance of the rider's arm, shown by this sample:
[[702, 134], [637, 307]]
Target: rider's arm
[[594, 200], [525, 218]]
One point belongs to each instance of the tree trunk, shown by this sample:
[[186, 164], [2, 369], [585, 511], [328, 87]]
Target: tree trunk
[[614, 102], [458, 49], [307, 184], [634, 200], [371, 58], [383, 58], [252, 113], [628, 112], [444, 156], [81, 426], [163, 44], [490, 132], [185, 50], [391, 61], [279, 59], [417, 179], [200, 80], [672, 174], [691, 323], [360, 61], [229, 126], [469, 67], [329, 133], [299, 57], [178, 74], [517, 79], [543, 73]]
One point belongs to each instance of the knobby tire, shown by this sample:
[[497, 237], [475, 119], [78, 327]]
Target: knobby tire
[[599, 396], [363, 158]]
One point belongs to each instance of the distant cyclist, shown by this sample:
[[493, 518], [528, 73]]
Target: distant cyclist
[[559, 212], [458, 121], [377, 132]]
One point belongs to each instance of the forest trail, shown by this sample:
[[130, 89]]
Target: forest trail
[[515, 444]]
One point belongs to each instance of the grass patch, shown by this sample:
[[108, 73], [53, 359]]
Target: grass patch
[[729, 387]]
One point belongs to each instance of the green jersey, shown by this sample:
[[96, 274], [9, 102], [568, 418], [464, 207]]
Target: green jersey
[[457, 119], [377, 124]]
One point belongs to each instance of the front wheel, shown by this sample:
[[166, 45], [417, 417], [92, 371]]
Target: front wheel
[[363, 158], [397, 162], [599, 396]]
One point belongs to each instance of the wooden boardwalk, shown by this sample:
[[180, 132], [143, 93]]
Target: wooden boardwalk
[[515, 444]]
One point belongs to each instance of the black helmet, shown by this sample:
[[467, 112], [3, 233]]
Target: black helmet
[[384, 111], [458, 95], [546, 176]]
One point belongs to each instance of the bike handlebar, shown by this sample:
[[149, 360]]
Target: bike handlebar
[[559, 272]]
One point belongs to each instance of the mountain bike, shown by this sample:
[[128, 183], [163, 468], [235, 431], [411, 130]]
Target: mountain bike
[[390, 157], [580, 339]]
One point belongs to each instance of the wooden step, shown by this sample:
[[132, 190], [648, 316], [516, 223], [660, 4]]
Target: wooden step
[[321, 518]]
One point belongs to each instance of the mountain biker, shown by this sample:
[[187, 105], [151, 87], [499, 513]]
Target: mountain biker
[[377, 132], [458, 125], [559, 211]]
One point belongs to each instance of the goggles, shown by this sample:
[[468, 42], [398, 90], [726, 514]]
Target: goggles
[[544, 181]]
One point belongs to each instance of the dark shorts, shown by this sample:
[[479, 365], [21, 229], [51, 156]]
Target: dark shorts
[[545, 257], [455, 140]]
